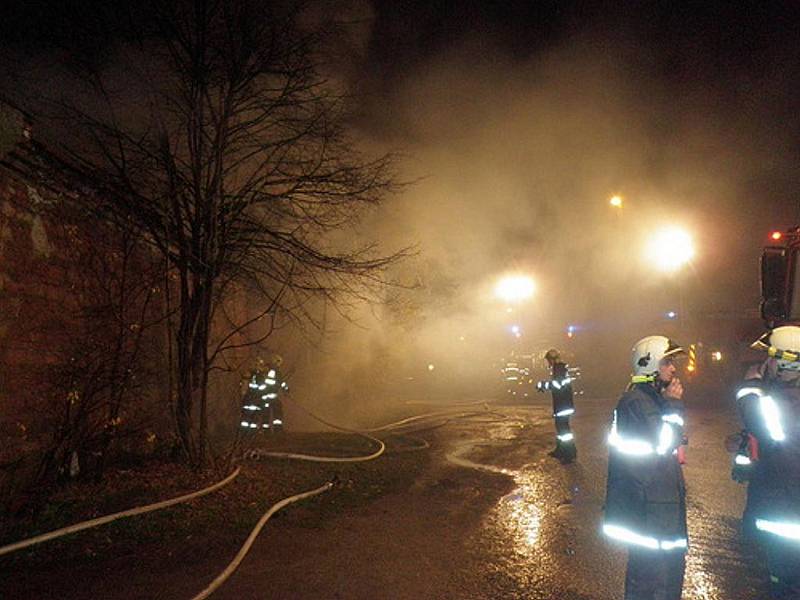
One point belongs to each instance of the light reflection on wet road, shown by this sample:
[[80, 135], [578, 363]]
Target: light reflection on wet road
[[542, 540]]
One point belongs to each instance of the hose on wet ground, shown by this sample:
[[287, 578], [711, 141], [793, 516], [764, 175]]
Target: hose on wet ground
[[38, 539], [234, 564], [243, 551]]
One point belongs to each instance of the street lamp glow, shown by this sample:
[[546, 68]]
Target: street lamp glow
[[669, 249], [616, 201], [515, 288]]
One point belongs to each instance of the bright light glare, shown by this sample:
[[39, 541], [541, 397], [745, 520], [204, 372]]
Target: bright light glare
[[616, 201], [669, 249], [514, 288]]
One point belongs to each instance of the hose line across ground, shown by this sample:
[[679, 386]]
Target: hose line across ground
[[113, 517], [234, 564]]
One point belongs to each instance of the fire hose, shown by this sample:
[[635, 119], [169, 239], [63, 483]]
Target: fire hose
[[234, 564], [230, 569], [113, 517]]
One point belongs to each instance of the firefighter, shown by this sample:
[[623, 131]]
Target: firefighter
[[743, 445], [276, 386], [560, 386], [645, 495], [770, 409], [262, 408]]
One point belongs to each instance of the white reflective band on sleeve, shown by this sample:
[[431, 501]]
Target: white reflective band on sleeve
[[665, 438], [741, 459], [566, 412], [630, 537], [271, 373], [269, 396], [786, 530], [566, 381], [268, 381], [284, 386], [251, 407], [262, 387], [253, 425], [252, 385], [772, 418], [673, 418], [265, 425], [627, 446], [556, 385], [277, 422], [566, 437], [747, 391], [245, 424]]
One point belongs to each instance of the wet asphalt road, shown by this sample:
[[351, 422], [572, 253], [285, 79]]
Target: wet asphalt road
[[489, 516], [542, 540], [492, 516]]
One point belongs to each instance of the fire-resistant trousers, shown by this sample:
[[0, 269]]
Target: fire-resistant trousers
[[783, 561], [565, 448], [274, 410], [654, 574]]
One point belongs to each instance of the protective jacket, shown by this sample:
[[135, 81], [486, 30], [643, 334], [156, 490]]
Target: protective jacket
[[561, 388], [771, 413], [646, 495], [261, 405]]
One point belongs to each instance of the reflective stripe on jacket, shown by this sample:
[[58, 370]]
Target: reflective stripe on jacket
[[645, 493], [561, 388], [770, 411]]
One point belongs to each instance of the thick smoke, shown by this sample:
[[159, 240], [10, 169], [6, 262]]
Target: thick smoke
[[514, 162]]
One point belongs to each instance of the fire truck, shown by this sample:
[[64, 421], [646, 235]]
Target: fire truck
[[780, 279]]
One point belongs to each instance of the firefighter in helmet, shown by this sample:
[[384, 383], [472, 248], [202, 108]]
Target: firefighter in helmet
[[769, 405], [560, 386], [262, 408], [645, 495]]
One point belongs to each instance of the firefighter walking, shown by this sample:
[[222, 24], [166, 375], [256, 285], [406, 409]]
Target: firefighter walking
[[646, 495], [560, 386], [769, 405]]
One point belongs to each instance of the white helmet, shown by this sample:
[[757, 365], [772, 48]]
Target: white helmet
[[782, 343], [648, 353]]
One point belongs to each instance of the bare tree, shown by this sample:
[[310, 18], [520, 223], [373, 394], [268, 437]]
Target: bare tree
[[210, 127]]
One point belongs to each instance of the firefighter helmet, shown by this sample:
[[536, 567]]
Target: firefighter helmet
[[552, 355], [648, 353], [782, 343]]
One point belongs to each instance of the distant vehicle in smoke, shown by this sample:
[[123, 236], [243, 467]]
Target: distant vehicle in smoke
[[516, 378]]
